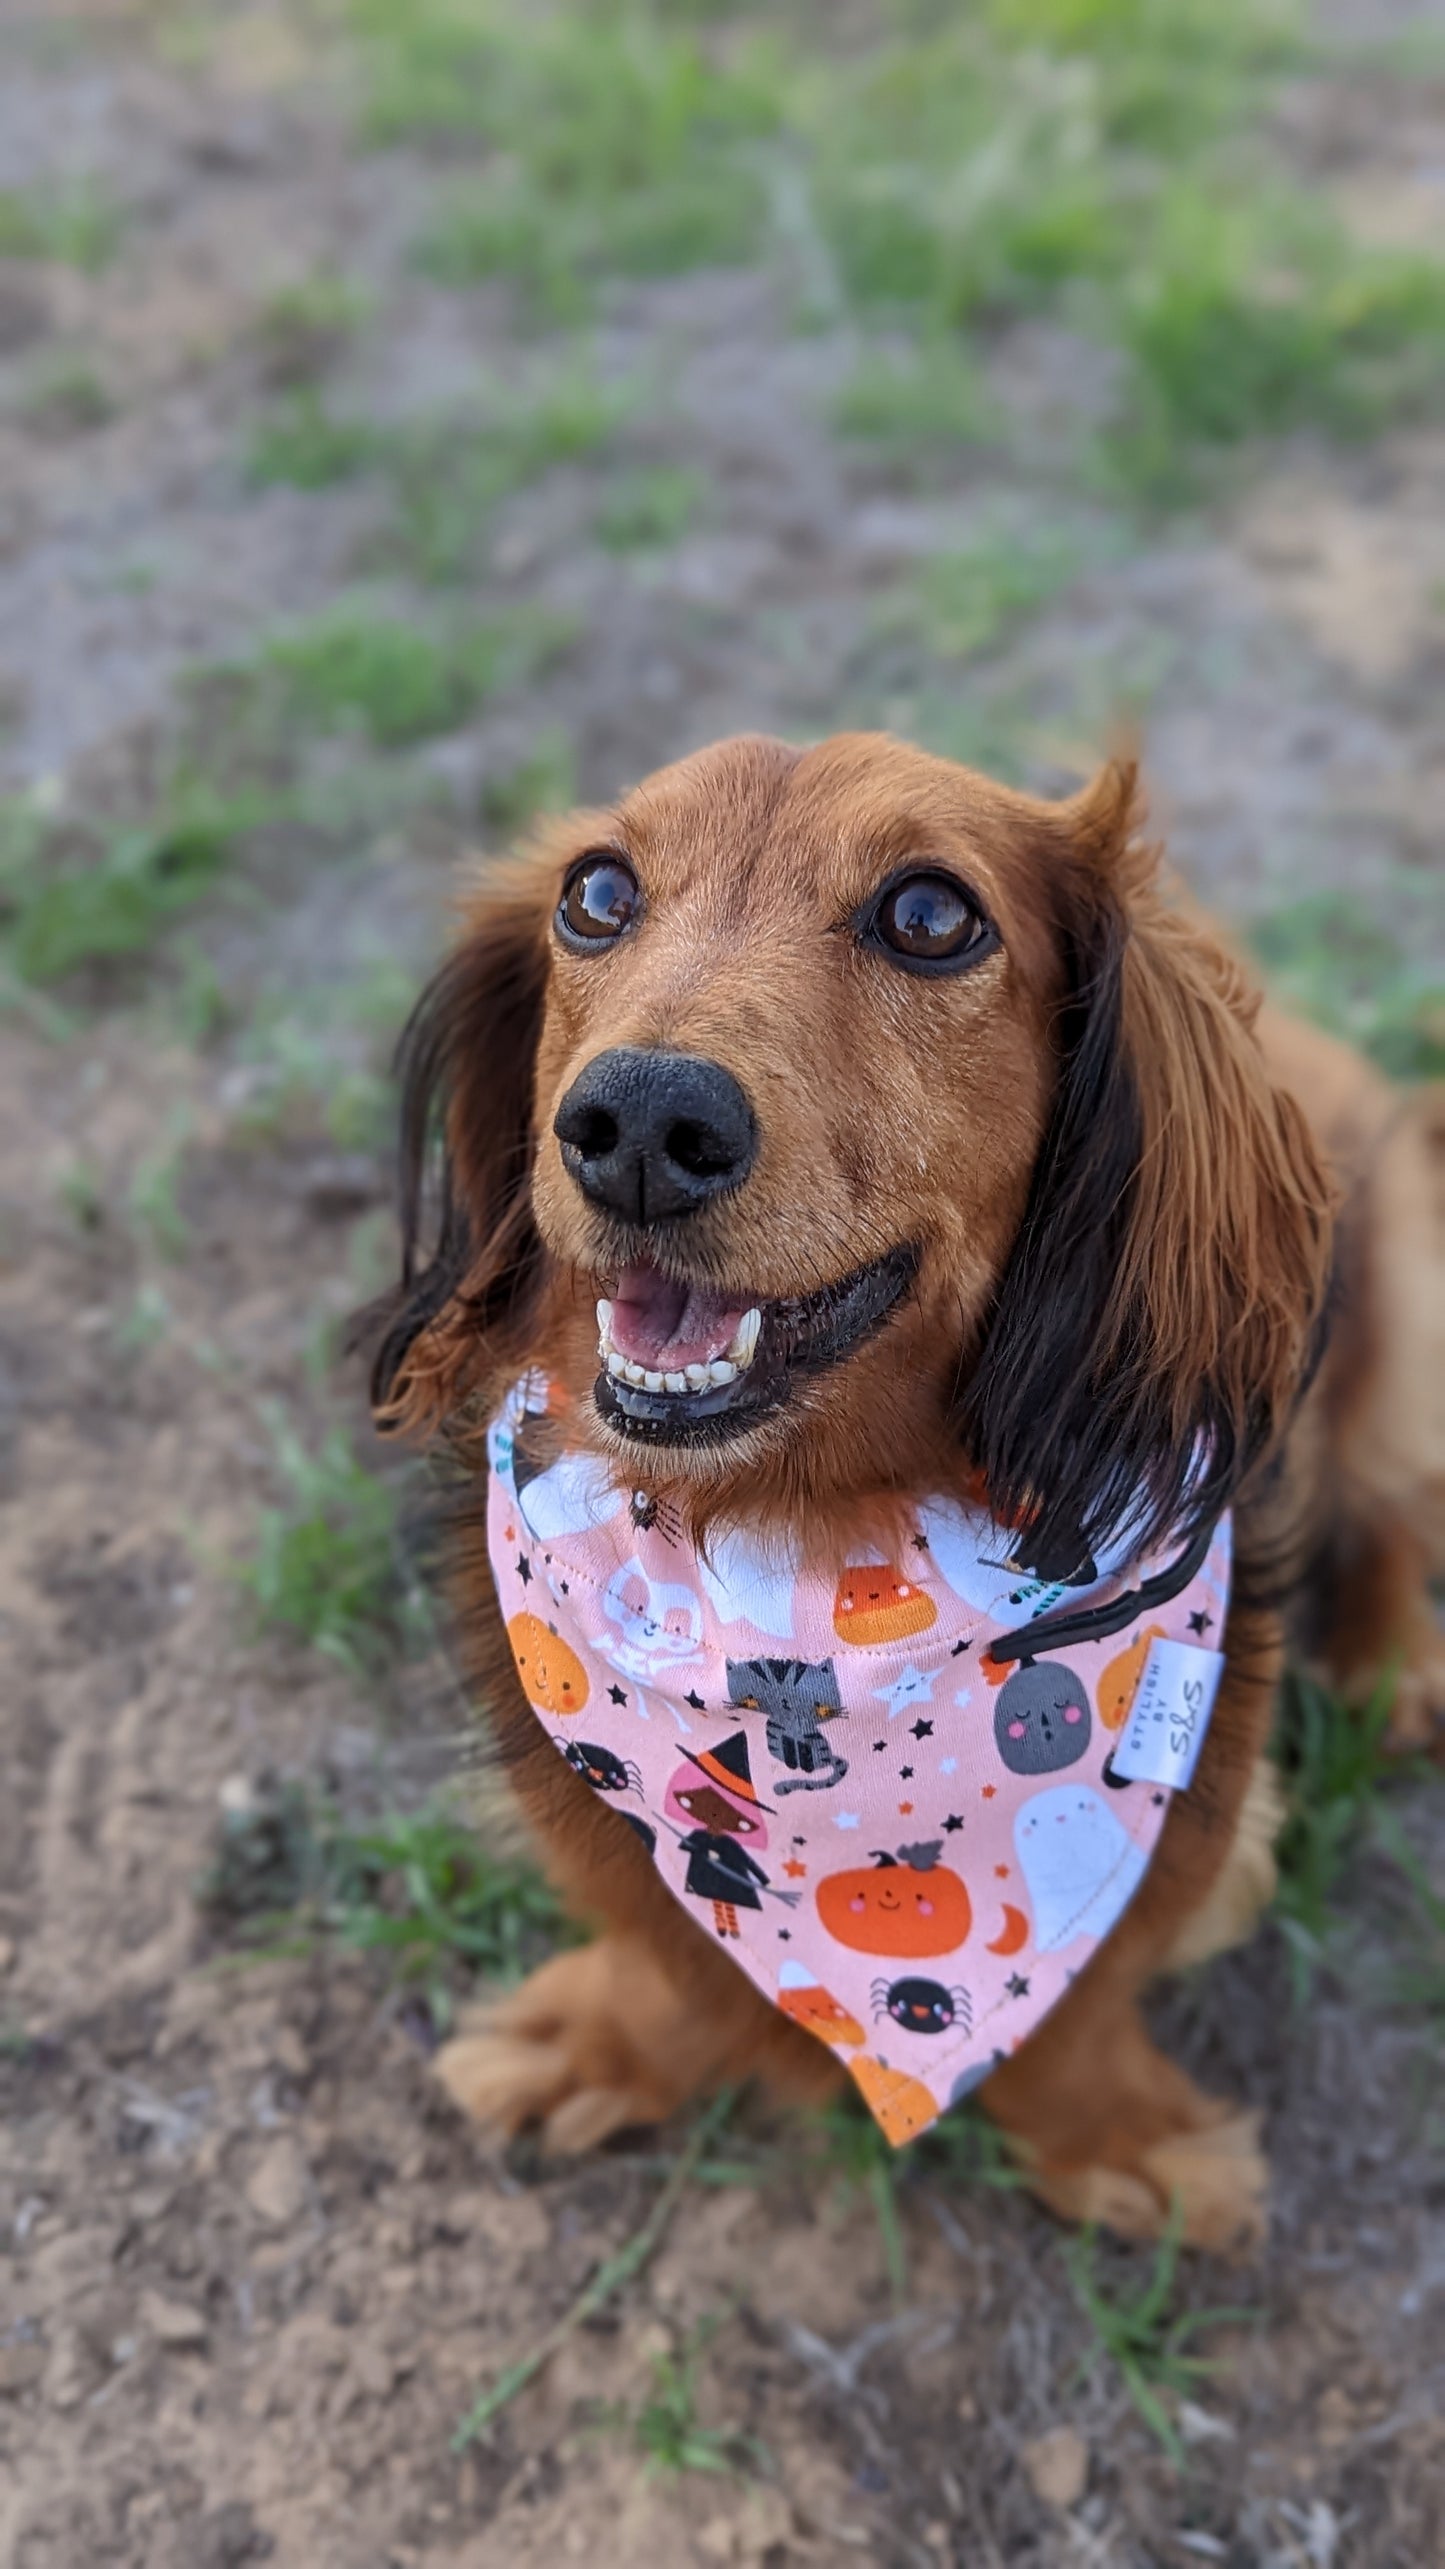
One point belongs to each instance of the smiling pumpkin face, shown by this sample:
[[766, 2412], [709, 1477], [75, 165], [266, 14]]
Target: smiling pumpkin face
[[903, 1904], [552, 1675]]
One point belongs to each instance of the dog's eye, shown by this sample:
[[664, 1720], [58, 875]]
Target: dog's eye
[[600, 897], [928, 919]]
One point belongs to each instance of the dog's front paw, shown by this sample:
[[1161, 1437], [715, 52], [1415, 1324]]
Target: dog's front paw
[[1217, 2177], [559, 2054]]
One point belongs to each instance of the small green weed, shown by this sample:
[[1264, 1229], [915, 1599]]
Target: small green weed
[[301, 330], [649, 507], [933, 398], [326, 1566], [1418, 1983], [154, 1198], [306, 445], [1246, 320], [350, 670], [81, 1193], [665, 2428], [449, 474], [66, 392], [56, 917], [969, 599], [75, 224], [418, 1887], [625, 148], [1334, 962], [423, 1890], [1333, 1762], [544, 781], [1141, 2334]]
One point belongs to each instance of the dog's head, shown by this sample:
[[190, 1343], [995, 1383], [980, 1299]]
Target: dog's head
[[832, 1122]]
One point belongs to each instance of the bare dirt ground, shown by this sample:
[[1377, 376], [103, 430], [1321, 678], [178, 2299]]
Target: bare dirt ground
[[252, 2268]]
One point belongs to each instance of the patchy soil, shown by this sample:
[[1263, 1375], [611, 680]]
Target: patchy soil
[[252, 2269]]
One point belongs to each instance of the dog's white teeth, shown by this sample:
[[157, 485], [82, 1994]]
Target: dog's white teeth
[[675, 1382], [616, 1365], [633, 1373], [604, 1326], [697, 1378], [745, 1339], [720, 1371], [652, 1382]]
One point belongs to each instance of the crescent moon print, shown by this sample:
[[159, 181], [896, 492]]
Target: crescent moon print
[[1013, 1935]]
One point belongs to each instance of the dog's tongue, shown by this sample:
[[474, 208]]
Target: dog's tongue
[[666, 1325]]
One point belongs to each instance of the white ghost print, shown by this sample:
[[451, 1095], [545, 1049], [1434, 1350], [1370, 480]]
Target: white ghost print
[[1081, 1866], [749, 1583], [658, 1625], [570, 1497], [968, 1550]]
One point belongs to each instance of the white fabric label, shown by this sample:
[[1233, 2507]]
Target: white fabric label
[[1169, 1715]]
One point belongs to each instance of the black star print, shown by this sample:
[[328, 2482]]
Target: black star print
[[785, 1935], [562, 1584], [951, 1823], [877, 1744], [617, 1695], [904, 1772], [1156, 1799], [1016, 1985], [695, 1700], [922, 1729], [958, 1649], [1200, 1622], [920, 1543], [800, 1841], [524, 1569]]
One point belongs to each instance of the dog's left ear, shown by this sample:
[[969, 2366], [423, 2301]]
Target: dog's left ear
[[1158, 1317]]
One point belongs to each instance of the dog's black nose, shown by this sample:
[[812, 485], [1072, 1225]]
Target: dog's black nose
[[655, 1135]]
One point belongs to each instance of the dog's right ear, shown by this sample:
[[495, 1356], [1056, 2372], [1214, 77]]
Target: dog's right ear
[[472, 1259]]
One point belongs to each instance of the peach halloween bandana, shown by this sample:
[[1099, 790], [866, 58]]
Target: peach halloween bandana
[[907, 1827]]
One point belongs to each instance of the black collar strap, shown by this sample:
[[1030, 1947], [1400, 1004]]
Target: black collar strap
[[1095, 1623]]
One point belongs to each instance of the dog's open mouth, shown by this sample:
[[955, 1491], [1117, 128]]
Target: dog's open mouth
[[683, 1364]]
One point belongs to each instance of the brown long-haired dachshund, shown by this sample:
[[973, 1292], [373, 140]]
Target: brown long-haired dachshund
[[954, 1157]]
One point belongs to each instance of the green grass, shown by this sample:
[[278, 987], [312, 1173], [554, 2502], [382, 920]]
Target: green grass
[[622, 147], [306, 445], [664, 2427], [544, 781], [1333, 1761], [302, 329], [322, 1064], [66, 391], [449, 474], [74, 224], [1140, 2332], [1107, 163], [325, 1566], [155, 1207], [968, 599], [647, 508], [1329, 958], [932, 397], [61, 913], [418, 1888], [352, 670]]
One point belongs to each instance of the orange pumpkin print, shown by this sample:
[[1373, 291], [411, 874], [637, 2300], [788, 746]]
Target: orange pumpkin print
[[903, 2105], [553, 1677], [815, 2008], [876, 1603], [1119, 1683], [903, 1904]]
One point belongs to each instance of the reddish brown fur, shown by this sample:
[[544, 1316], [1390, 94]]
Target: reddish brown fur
[[890, 1109]]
